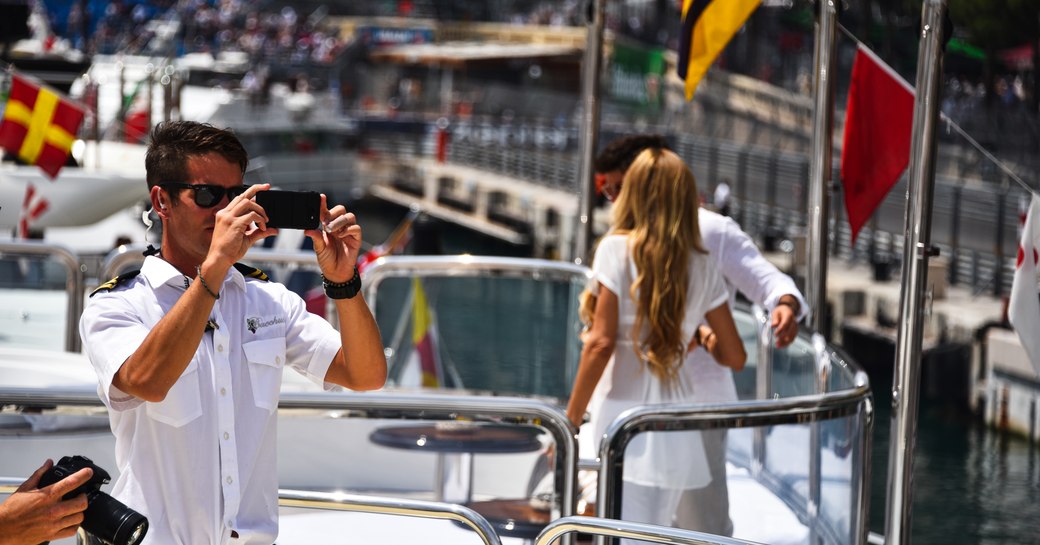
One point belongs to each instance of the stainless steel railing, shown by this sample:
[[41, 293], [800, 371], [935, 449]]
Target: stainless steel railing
[[633, 530], [467, 265], [391, 506], [397, 406], [73, 280], [359, 503], [808, 409], [811, 408], [446, 407]]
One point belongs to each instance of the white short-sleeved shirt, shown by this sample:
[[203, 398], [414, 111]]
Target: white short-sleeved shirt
[[202, 462], [651, 458]]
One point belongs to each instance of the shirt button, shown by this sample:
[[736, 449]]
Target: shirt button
[[278, 359], [227, 435], [220, 348], [229, 480], [223, 391]]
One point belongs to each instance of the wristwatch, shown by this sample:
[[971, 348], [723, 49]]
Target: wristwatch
[[342, 290]]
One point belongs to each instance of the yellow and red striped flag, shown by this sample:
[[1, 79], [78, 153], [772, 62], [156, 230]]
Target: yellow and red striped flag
[[426, 339], [707, 26], [39, 124]]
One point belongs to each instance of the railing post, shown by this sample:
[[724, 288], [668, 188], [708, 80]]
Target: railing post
[[820, 165], [821, 375], [763, 383], [592, 65], [916, 250]]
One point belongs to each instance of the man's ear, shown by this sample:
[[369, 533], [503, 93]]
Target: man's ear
[[159, 201]]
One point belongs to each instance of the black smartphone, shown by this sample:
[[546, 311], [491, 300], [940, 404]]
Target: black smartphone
[[291, 209]]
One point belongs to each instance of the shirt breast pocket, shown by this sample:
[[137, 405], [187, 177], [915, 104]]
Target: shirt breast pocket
[[183, 402], [265, 358]]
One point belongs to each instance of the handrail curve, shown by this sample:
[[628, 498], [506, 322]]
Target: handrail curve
[[389, 405], [73, 280], [814, 408], [632, 530], [361, 503]]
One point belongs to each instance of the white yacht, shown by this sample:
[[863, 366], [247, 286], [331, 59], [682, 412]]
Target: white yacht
[[492, 437], [487, 455]]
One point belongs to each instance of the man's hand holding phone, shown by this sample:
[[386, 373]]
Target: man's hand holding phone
[[238, 226], [335, 233], [337, 242], [291, 209]]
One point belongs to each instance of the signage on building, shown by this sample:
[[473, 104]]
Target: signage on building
[[383, 36], [636, 75]]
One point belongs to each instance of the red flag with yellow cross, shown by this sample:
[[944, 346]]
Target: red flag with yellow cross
[[39, 124]]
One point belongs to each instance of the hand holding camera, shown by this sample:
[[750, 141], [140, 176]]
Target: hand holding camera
[[31, 514], [105, 518]]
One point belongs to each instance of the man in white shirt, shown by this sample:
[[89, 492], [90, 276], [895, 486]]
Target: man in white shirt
[[743, 267], [189, 350]]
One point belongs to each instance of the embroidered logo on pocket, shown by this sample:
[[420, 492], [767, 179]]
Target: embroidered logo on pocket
[[252, 324]]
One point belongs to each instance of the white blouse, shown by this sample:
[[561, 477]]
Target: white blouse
[[662, 459]]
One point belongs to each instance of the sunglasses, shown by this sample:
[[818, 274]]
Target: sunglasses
[[207, 196], [607, 189]]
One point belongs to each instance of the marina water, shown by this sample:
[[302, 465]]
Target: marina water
[[971, 485]]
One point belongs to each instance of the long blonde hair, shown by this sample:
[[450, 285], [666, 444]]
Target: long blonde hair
[[657, 210]]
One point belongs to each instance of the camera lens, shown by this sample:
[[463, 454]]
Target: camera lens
[[108, 519]]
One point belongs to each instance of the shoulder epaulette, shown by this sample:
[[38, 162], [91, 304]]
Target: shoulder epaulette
[[115, 282], [251, 272]]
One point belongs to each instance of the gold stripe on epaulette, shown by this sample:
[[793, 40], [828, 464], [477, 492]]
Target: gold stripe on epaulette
[[115, 282], [252, 272]]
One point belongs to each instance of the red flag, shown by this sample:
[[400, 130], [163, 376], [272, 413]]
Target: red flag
[[33, 207], [39, 125], [1024, 303], [878, 124]]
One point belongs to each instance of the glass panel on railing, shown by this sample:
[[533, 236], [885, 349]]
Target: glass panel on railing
[[33, 302], [794, 368], [442, 332], [842, 475], [786, 474]]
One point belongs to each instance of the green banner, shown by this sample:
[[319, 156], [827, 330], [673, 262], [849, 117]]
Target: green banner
[[636, 75]]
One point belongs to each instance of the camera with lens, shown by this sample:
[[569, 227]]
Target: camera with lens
[[106, 518]]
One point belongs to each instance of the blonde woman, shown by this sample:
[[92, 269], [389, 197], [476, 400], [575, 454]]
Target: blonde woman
[[656, 297]]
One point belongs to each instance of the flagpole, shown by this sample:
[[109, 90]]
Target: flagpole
[[820, 162], [916, 251], [592, 65], [819, 213]]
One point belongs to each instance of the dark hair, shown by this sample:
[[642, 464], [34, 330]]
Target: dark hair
[[173, 142], [620, 153]]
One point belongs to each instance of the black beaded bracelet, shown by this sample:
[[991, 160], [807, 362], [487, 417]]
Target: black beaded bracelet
[[342, 290]]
